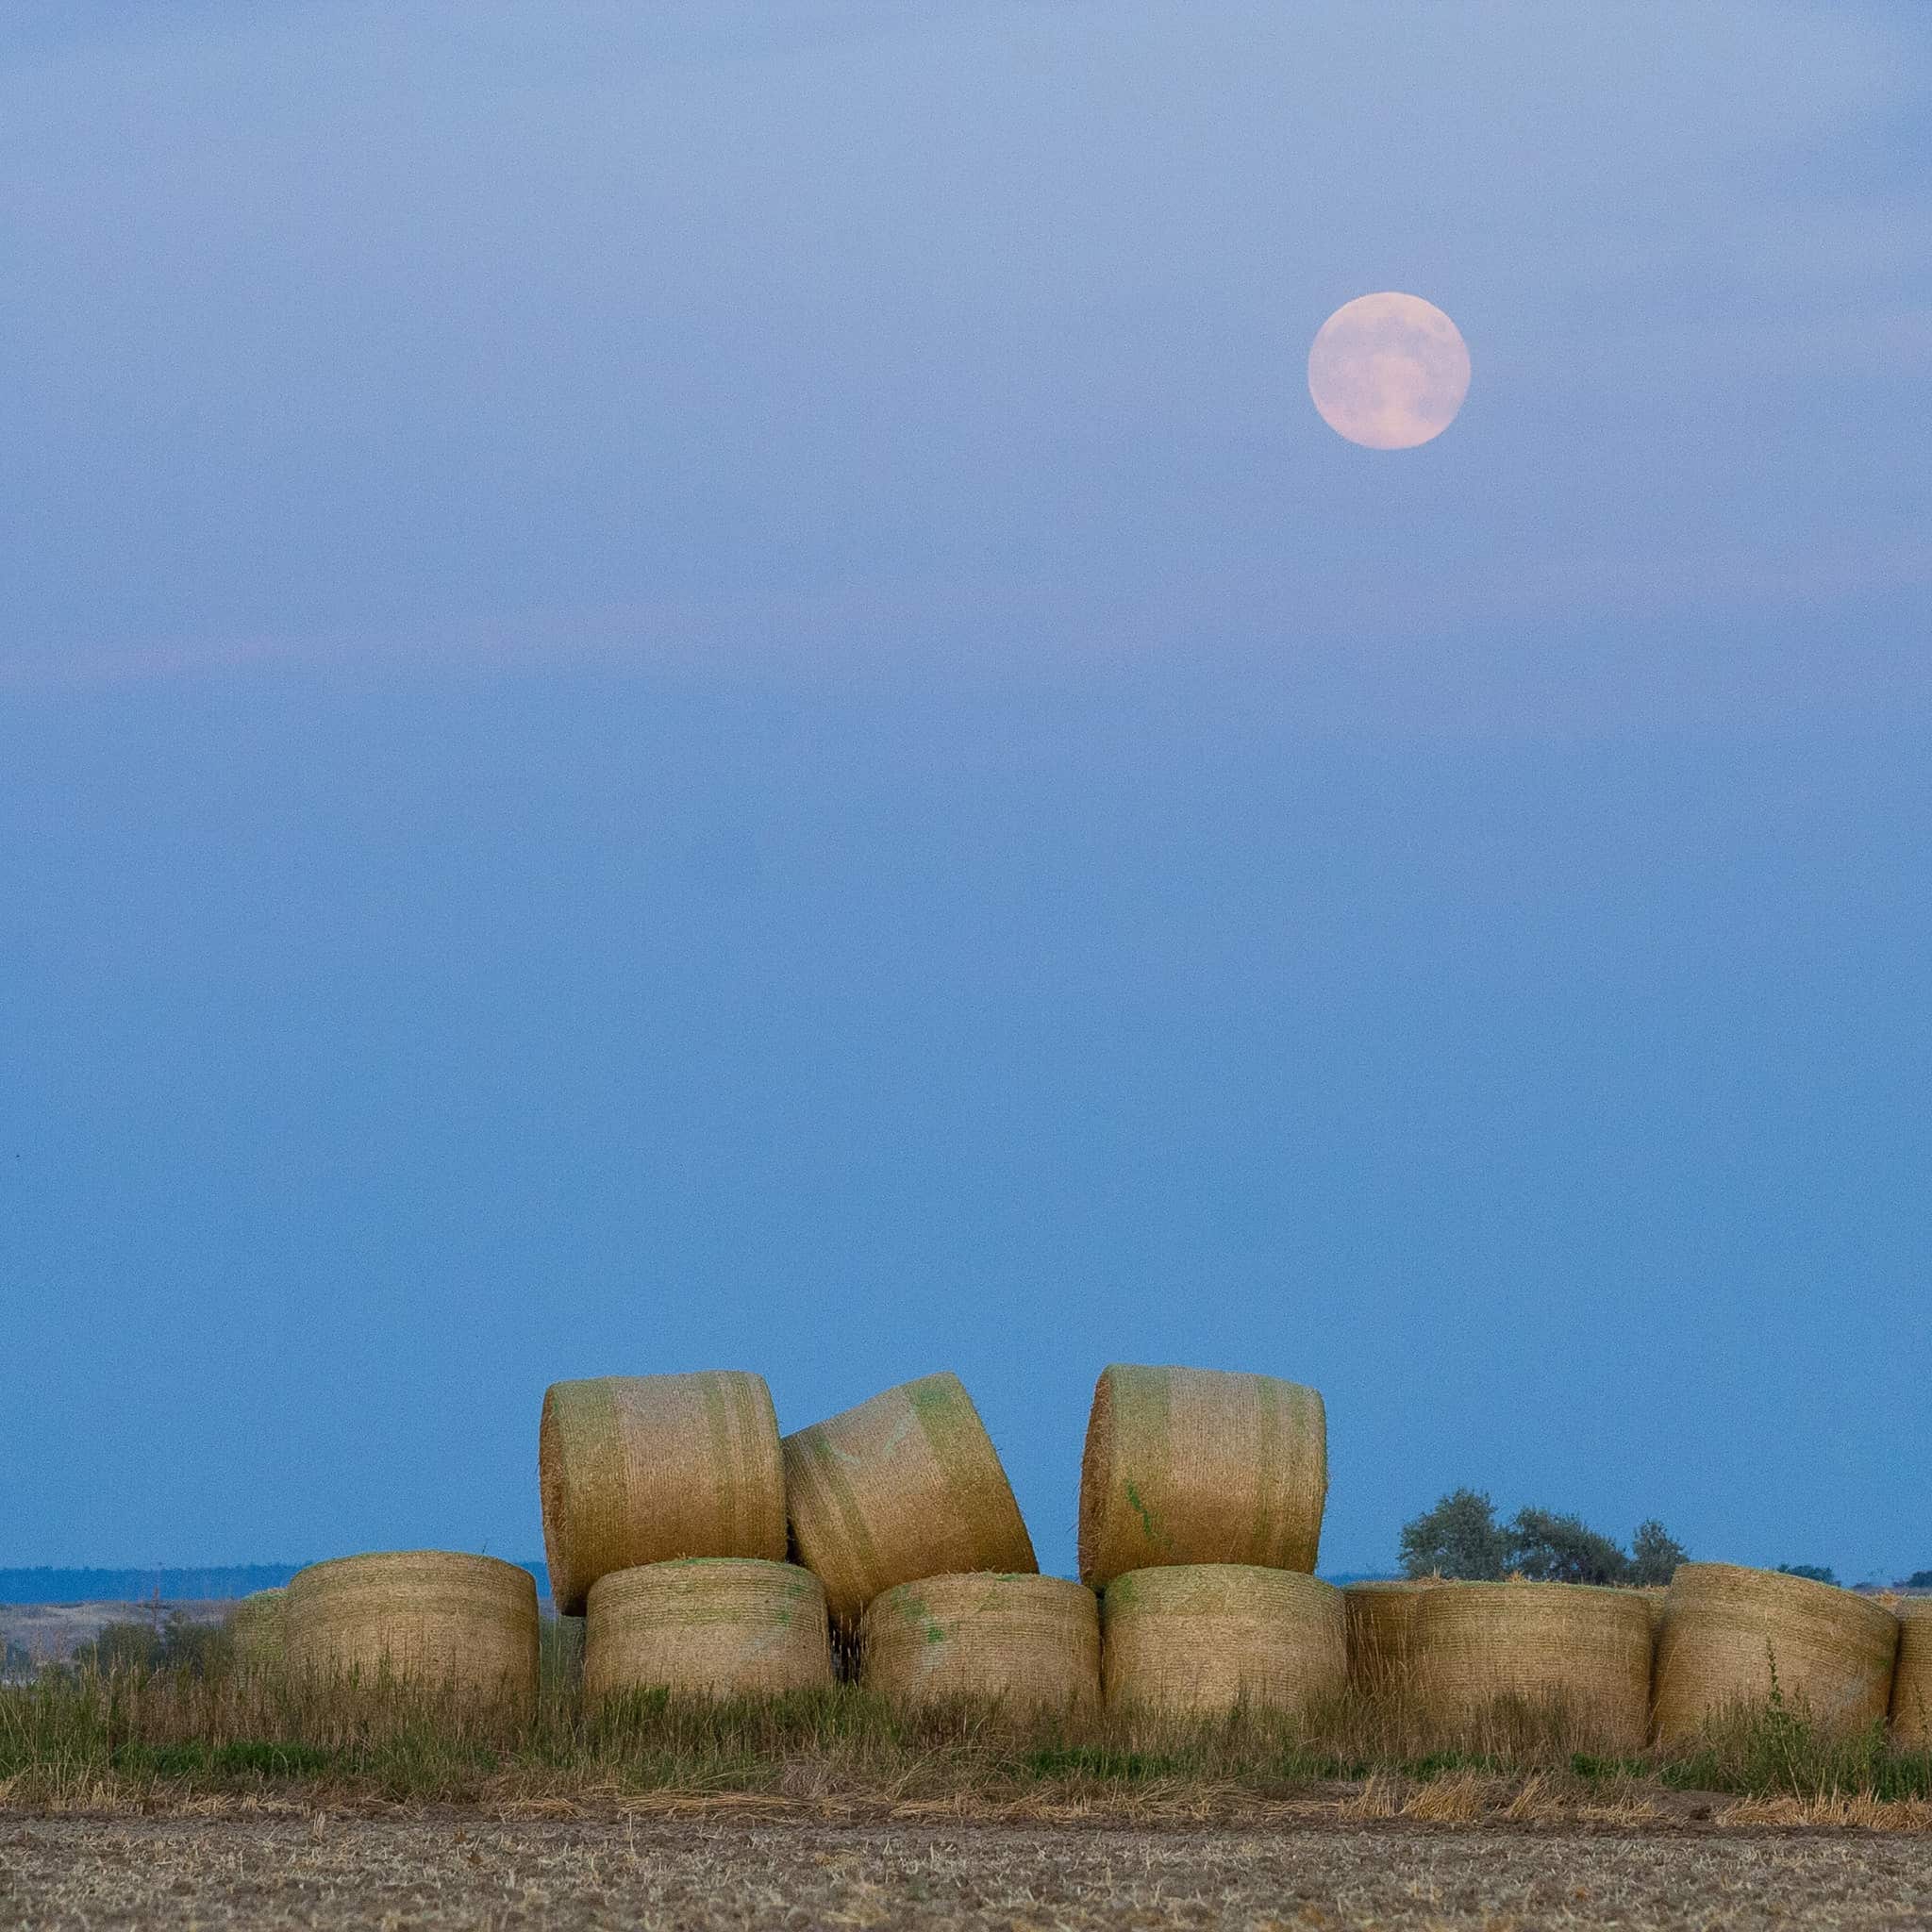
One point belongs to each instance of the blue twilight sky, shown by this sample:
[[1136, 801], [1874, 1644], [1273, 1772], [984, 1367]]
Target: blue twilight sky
[[689, 684]]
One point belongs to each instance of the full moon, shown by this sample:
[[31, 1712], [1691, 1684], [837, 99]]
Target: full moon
[[1388, 371]]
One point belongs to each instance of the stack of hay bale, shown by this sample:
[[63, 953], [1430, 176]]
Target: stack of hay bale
[[1201, 1502], [671, 1507], [710, 1556]]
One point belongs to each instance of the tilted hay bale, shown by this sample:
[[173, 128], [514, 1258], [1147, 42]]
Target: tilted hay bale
[[1380, 1621], [1199, 1638], [1024, 1641], [1728, 1632], [707, 1626], [255, 1626], [905, 1486], [644, 1469], [434, 1616], [1562, 1646], [1198, 1466], [1911, 1687]]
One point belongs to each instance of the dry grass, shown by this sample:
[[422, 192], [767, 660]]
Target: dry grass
[[172, 1738]]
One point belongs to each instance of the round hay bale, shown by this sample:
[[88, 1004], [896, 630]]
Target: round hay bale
[[707, 1626], [1728, 1633], [1912, 1685], [644, 1469], [1193, 1466], [906, 1486], [1202, 1638], [1654, 1596], [1379, 1618], [255, 1626], [1024, 1641], [1570, 1644], [433, 1616]]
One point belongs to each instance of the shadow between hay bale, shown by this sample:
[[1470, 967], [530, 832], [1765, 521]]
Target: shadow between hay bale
[[1186, 1466], [1024, 1643], [1379, 1618], [645, 1469], [1911, 1688], [439, 1618], [1579, 1651], [716, 1626], [1731, 1636], [906, 1486], [255, 1626], [1206, 1639]]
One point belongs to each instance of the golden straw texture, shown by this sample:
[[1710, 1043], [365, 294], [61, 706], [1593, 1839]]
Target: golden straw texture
[[906, 1486], [432, 1615], [1380, 1619], [643, 1468], [256, 1626], [708, 1626], [1024, 1641], [1198, 1466], [1551, 1644], [1205, 1637], [1726, 1630], [1911, 1688]]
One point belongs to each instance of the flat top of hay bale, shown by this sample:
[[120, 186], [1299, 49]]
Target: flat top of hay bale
[[1765, 1592], [403, 1568], [1188, 1590]]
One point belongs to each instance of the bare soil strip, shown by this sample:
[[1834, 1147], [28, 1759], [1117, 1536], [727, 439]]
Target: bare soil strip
[[73, 1876]]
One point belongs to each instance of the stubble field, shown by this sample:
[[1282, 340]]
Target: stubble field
[[62, 1874]]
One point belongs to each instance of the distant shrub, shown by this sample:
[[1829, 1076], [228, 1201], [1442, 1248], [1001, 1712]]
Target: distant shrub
[[1920, 1579], [1818, 1573], [1459, 1537], [1549, 1548], [1462, 1537]]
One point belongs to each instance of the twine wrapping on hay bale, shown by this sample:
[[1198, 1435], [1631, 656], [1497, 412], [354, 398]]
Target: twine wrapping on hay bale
[[1571, 1645], [1202, 1638], [255, 1626], [1197, 1466], [1726, 1630], [707, 1626], [1380, 1621], [434, 1616], [644, 1469], [906, 1486], [1024, 1641], [1911, 1686]]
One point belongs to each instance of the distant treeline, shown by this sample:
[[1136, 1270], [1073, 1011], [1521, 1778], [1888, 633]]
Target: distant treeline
[[172, 1585]]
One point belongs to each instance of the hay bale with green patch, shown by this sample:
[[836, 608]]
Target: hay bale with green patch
[[1911, 1686], [906, 1486], [1731, 1636], [255, 1628], [434, 1617], [1187, 1466], [1568, 1648], [1379, 1618], [707, 1626], [645, 1469], [1024, 1642], [1206, 1639]]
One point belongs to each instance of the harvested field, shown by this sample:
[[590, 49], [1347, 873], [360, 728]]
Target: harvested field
[[65, 1875]]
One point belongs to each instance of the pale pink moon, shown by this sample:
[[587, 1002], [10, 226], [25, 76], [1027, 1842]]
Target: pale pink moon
[[1388, 371]]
